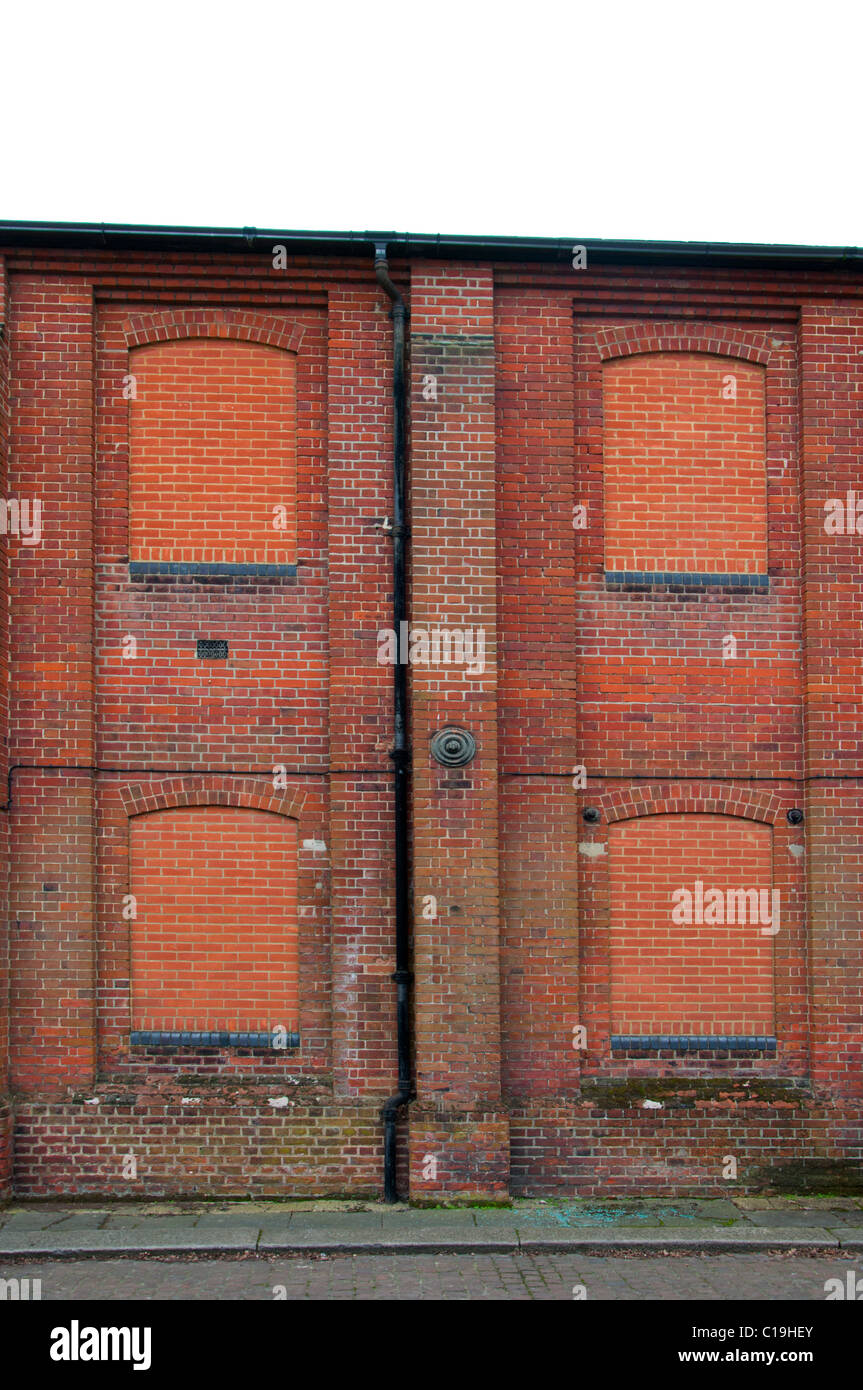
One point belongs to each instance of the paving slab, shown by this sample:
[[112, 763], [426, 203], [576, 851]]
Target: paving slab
[[44, 1220], [78, 1221], [849, 1237], [723, 1206], [796, 1203], [320, 1231], [177, 1236], [465, 1230], [790, 1219], [497, 1220], [651, 1212], [581, 1224], [441, 1216], [222, 1221], [566, 1220], [704, 1238], [179, 1221]]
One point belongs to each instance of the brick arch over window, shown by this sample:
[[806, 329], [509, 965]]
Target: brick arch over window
[[212, 443], [684, 464], [628, 340], [214, 939], [720, 800], [173, 324], [162, 794], [692, 918]]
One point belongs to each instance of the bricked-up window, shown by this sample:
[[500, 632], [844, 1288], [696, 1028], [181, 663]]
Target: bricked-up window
[[214, 941], [684, 465], [213, 453], [702, 977]]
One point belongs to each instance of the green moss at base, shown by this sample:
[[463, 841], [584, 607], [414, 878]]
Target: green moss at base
[[686, 1092], [431, 1205], [822, 1177]]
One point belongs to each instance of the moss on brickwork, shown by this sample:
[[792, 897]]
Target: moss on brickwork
[[431, 1205], [686, 1093], [826, 1177]]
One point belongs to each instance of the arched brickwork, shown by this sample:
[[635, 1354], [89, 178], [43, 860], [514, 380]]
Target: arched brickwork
[[171, 324], [141, 797], [718, 800], [627, 340]]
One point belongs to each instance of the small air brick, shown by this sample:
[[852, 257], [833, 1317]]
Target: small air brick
[[212, 649]]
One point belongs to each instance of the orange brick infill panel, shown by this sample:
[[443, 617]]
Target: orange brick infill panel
[[213, 452], [678, 964], [214, 938], [684, 462]]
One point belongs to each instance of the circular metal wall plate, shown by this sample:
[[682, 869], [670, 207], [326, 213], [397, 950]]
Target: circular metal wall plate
[[453, 747]]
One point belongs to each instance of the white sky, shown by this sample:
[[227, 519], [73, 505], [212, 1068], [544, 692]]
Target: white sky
[[725, 121]]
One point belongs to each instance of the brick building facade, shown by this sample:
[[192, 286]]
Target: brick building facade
[[635, 564]]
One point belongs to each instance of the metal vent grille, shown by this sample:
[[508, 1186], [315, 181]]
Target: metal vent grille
[[213, 649]]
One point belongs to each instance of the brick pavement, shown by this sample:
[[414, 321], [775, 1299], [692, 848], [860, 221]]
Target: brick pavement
[[522, 1276]]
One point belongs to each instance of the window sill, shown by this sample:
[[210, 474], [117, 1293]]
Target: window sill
[[184, 569], [649, 579], [261, 1042], [627, 1042]]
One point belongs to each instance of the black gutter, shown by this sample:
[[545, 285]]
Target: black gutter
[[115, 236], [400, 752]]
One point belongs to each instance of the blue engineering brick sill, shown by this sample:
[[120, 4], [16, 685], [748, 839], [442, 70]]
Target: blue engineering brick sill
[[666, 1042], [648, 579], [186, 1038], [160, 569]]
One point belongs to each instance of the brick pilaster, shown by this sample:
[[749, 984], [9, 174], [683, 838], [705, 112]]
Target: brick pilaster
[[5, 1104], [359, 493], [831, 402], [458, 1133], [52, 824]]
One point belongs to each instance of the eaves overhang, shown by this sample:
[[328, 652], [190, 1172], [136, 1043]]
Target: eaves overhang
[[118, 236]]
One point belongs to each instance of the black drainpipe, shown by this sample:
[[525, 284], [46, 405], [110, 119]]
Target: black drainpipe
[[400, 753]]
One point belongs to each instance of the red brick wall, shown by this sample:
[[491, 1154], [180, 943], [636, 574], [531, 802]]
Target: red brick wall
[[5, 1106], [711, 977], [629, 684], [120, 807], [685, 483], [630, 687], [214, 939], [316, 1146], [52, 719], [608, 1145], [213, 452], [300, 695], [457, 1119], [831, 411], [266, 705], [657, 695]]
